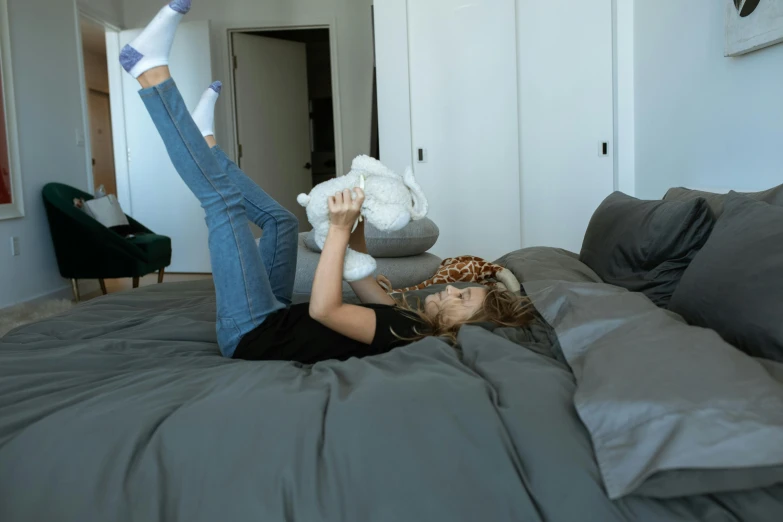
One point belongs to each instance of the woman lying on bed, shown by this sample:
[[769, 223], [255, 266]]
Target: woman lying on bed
[[253, 283]]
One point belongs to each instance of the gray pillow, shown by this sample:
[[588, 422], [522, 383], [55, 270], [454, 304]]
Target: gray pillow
[[645, 246], [735, 284], [672, 410], [773, 196], [402, 272], [416, 238], [547, 263]]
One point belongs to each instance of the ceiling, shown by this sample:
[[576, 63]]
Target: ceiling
[[93, 37]]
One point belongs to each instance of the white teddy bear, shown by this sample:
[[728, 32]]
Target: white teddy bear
[[391, 202]]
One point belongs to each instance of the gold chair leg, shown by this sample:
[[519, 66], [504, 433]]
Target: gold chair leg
[[161, 273], [75, 288], [103, 286], [135, 282]]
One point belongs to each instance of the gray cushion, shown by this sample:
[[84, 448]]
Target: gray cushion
[[773, 196], [402, 272], [547, 263], [735, 284], [416, 238], [672, 410], [645, 246]]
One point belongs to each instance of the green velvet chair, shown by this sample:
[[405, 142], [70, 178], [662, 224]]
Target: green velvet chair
[[85, 249]]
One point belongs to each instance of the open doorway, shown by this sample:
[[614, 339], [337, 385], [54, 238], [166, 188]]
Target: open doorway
[[285, 115], [96, 74]]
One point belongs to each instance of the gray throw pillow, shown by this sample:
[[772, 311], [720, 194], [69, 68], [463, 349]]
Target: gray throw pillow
[[672, 410], [402, 272], [547, 263], [735, 284], [773, 196], [416, 238], [645, 246]]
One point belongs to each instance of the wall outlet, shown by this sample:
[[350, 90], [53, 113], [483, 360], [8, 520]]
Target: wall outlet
[[15, 247]]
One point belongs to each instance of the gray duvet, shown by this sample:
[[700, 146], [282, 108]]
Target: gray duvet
[[123, 409]]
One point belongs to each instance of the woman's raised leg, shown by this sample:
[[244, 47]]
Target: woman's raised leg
[[279, 243], [244, 295], [280, 240]]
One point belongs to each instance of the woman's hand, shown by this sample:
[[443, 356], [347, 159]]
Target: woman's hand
[[344, 210]]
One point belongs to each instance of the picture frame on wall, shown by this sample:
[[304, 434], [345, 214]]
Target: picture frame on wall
[[752, 25], [11, 202]]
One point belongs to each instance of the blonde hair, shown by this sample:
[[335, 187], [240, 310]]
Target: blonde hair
[[500, 307]]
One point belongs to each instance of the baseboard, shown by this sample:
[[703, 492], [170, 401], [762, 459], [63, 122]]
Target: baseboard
[[65, 292]]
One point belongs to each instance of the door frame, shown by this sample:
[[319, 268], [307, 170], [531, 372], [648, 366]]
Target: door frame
[[232, 117]]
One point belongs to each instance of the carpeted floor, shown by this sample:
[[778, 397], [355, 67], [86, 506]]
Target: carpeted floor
[[27, 313]]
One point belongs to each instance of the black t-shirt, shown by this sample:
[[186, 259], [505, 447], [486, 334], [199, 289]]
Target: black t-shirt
[[292, 335]]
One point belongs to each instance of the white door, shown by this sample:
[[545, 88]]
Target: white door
[[159, 198], [463, 77], [565, 57], [273, 117]]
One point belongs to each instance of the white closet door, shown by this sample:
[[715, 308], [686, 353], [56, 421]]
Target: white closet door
[[565, 57], [463, 77]]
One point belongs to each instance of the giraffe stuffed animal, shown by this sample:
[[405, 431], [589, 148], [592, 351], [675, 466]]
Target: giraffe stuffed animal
[[463, 269]]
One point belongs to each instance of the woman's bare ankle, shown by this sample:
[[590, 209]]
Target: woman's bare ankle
[[211, 141], [154, 76]]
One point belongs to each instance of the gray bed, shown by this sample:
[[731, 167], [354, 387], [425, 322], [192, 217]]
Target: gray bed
[[123, 409]]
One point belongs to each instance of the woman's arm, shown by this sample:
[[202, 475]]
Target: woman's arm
[[327, 305], [367, 290]]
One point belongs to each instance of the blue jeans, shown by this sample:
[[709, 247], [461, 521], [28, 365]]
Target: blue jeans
[[250, 282]]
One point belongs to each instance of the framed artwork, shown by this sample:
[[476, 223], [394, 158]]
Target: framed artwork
[[752, 25], [11, 204]]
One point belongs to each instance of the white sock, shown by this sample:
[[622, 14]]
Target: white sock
[[204, 115], [152, 47]]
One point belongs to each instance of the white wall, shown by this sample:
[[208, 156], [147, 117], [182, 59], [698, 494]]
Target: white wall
[[394, 94], [624, 102], [703, 120], [49, 112], [354, 48]]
